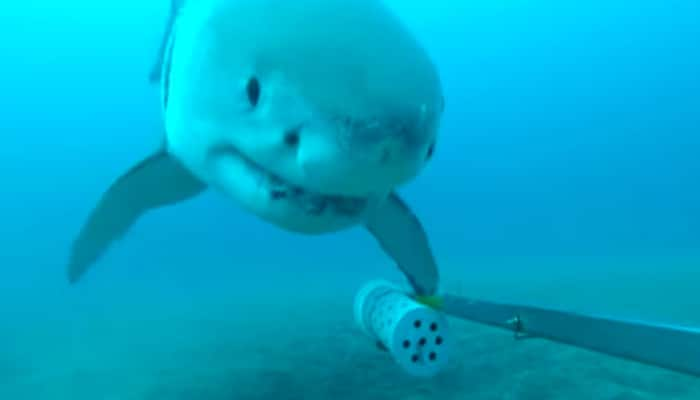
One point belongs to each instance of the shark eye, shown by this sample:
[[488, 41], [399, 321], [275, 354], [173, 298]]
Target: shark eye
[[253, 91]]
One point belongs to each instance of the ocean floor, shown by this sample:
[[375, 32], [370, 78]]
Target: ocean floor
[[300, 348]]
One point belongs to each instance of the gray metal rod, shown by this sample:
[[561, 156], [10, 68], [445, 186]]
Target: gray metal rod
[[671, 347]]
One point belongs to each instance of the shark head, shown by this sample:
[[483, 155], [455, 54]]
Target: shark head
[[308, 113]]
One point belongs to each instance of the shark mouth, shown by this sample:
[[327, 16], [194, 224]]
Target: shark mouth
[[280, 190]]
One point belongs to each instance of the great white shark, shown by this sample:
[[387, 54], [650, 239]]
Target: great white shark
[[309, 114]]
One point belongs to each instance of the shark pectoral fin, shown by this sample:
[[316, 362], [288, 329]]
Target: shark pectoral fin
[[401, 235], [156, 72], [157, 181]]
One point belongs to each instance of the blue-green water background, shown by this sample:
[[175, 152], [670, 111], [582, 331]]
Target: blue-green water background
[[567, 174]]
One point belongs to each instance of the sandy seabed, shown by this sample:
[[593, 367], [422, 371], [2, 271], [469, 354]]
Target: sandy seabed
[[291, 348]]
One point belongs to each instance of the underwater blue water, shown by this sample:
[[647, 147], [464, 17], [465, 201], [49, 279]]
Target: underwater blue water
[[567, 172]]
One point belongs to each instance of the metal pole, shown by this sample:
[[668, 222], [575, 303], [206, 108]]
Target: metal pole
[[672, 347]]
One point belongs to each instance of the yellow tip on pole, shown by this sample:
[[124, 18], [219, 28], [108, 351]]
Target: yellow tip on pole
[[433, 301]]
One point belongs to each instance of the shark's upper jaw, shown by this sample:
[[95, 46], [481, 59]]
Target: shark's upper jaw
[[279, 190]]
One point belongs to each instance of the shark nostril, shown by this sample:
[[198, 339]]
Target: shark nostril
[[291, 137]]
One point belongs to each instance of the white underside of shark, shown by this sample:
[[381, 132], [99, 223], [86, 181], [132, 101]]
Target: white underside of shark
[[309, 114]]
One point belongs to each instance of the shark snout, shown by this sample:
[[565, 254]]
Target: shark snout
[[362, 165], [401, 144], [397, 152]]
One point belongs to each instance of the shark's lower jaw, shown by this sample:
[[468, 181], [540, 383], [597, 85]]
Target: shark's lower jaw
[[284, 198]]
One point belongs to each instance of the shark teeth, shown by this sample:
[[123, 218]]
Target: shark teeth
[[314, 203]]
